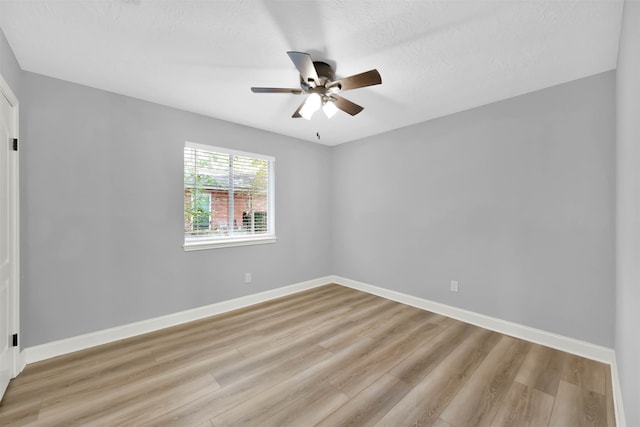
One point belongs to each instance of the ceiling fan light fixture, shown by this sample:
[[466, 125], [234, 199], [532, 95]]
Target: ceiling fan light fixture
[[311, 105], [317, 79], [329, 108]]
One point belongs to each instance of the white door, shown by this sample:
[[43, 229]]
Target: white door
[[8, 238]]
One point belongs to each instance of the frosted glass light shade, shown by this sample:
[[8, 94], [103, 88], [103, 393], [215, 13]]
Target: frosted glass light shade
[[311, 105], [329, 108]]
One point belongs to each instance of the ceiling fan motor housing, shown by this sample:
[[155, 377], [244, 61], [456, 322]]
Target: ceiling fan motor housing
[[324, 71], [324, 86]]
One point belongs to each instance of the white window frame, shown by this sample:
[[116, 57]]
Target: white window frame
[[196, 243]]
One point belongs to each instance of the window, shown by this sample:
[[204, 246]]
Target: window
[[228, 197]]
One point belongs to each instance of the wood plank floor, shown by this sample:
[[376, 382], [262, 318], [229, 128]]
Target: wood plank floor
[[329, 356]]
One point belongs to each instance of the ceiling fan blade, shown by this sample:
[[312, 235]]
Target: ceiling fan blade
[[346, 105], [275, 90], [296, 114], [304, 64], [368, 78]]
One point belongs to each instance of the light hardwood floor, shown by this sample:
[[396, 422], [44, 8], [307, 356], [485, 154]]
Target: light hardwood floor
[[329, 356]]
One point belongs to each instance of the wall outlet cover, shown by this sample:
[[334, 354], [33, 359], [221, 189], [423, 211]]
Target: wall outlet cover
[[454, 286]]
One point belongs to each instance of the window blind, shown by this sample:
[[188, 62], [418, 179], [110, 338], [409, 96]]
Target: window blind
[[228, 195]]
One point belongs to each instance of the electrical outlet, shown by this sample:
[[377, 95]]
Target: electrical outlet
[[247, 277], [454, 286]]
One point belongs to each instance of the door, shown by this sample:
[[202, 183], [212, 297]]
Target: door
[[8, 237]]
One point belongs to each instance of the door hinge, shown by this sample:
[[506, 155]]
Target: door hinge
[[15, 144], [14, 340]]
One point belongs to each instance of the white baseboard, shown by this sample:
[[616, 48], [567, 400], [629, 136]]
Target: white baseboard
[[559, 342], [80, 342], [549, 339], [617, 394], [68, 345], [22, 362], [538, 336]]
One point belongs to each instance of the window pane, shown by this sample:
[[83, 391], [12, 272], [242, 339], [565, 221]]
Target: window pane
[[251, 189], [226, 194], [202, 218]]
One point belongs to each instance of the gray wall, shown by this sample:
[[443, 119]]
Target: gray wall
[[9, 68], [102, 215], [628, 224], [515, 200]]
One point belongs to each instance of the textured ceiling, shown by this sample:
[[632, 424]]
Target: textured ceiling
[[435, 57]]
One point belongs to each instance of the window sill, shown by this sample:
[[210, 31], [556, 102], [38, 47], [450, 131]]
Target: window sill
[[199, 245]]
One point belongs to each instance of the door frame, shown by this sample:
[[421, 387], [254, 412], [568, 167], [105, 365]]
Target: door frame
[[14, 230]]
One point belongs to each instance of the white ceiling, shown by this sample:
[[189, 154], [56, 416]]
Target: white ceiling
[[435, 57]]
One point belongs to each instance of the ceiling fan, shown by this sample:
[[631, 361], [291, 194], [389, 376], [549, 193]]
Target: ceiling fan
[[317, 79]]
